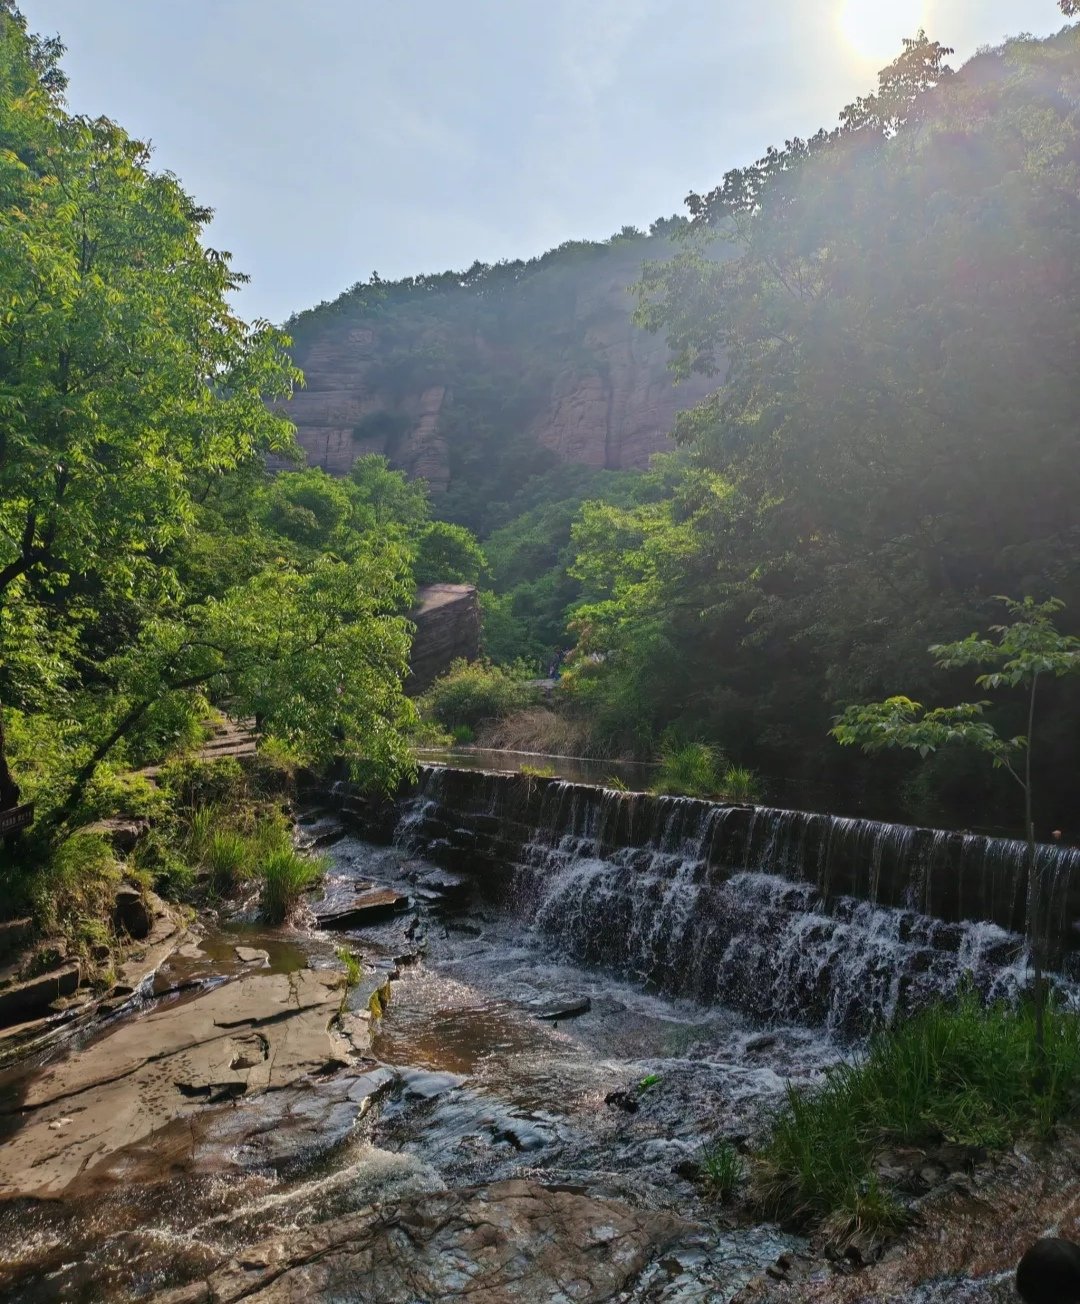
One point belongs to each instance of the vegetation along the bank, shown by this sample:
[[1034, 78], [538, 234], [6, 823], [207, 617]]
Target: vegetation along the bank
[[151, 565]]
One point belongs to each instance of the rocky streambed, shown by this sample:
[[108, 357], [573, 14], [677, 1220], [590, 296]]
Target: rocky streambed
[[473, 1118]]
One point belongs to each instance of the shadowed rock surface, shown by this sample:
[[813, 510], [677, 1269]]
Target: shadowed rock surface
[[513, 1241]]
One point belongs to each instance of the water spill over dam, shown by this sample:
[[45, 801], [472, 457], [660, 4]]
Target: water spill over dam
[[781, 914]]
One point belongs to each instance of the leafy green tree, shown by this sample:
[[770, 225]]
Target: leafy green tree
[[1021, 653], [883, 307], [448, 553], [145, 562]]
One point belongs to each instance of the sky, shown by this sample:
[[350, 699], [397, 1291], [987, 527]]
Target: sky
[[335, 138]]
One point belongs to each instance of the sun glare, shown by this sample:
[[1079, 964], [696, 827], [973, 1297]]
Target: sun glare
[[873, 29]]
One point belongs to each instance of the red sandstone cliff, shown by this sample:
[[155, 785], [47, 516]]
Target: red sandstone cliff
[[409, 380]]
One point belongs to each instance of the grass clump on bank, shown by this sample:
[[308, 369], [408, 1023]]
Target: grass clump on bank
[[236, 837], [286, 875], [961, 1074], [699, 769]]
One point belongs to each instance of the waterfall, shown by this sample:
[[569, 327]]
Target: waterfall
[[784, 914]]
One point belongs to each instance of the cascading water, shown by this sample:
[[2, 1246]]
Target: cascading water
[[782, 914]]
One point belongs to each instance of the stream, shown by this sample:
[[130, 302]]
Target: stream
[[498, 1059]]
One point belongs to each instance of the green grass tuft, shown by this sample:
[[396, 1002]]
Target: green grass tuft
[[228, 856], [721, 1169], [354, 971], [962, 1073], [286, 876]]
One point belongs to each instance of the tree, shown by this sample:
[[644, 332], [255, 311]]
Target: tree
[[145, 558], [1022, 652]]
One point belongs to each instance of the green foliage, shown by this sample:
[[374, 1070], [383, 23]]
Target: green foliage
[[78, 882], [963, 1074], [228, 856], [354, 970], [690, 770], [722, 1169], [149, 564], [286, 875], [203, 785], [537, 771], [740, 785], [474, 691], [891, 438], [448, 554]]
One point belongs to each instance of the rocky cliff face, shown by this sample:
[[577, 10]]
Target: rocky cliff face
[[551, 359], [447, 619]]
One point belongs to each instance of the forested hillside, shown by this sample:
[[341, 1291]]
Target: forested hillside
[[478, 380], [876, 331], [894, 443]]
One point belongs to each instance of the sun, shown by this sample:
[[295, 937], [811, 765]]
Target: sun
[[874, 29]]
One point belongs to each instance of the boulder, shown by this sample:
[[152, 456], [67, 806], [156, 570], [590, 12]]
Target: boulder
[[251, 955], [122, 832]]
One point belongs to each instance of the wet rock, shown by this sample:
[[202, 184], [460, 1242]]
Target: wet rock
[[369, 907], [763, 1042], [624, 1100], [251, 955], [321, 833], [131, 913], [423, 1085], [263, 1032], [445, 883], [509, 1243], [569, 1007]]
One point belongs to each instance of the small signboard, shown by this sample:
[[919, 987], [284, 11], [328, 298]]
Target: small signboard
[[18, 817]]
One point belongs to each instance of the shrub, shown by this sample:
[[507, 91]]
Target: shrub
[[354, 970], [286, 876], [195, 782], [472, 691], [961, 1073], [740, 785], [700, 770], [540, 729]]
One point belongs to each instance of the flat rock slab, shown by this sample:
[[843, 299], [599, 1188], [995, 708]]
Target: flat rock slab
[[263, 1032], [369, 907], [511, 1243]]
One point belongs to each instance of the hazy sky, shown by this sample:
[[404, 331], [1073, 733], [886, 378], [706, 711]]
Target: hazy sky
[[339, 137]]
